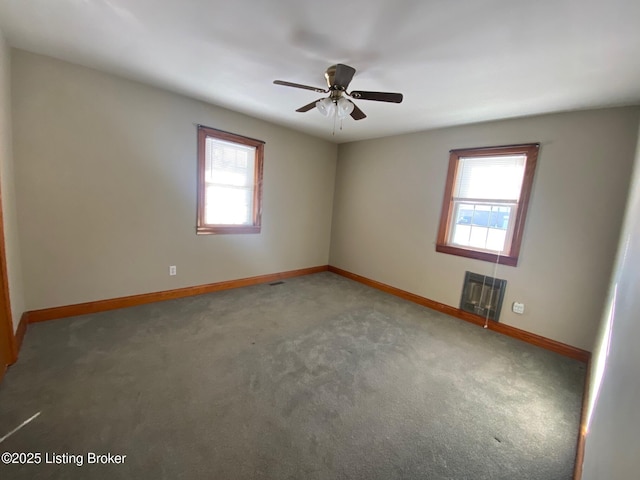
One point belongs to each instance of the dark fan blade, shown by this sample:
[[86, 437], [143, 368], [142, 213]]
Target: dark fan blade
[[343, 75], [378, 96], [309, 106], [298, 85], [357, 114]]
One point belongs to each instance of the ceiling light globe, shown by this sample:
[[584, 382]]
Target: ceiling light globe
[[326, 107], [345, 107]]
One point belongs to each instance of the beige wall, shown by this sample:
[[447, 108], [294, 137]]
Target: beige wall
[[106, 183], [611, 449], [105, 175], [7, 184], [389, 194]]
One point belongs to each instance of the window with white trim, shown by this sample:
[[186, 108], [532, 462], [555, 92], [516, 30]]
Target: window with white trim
[[485, 202], [229, 182]]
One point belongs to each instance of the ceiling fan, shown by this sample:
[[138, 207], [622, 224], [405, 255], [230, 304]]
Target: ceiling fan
[[338, 78]]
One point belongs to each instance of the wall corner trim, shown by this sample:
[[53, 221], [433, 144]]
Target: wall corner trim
[[528, 337], [54, 313], [18, 336], [582, 434]]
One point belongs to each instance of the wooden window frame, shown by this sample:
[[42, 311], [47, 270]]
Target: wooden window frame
[[510, 258], [202, 227]]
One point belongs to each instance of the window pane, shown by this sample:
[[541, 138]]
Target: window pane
[[497, 178], [478, 237], [481, 226], [228, 205], [229, 163], [461, 234], [496, 239]]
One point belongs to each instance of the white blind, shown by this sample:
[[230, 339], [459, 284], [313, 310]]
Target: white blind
[[496, 178], [229, 163]]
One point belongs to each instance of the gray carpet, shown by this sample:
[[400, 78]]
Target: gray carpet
[[316, 378]]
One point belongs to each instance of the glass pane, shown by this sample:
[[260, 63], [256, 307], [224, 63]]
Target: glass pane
[[496, 239], [228, 205], [481, 226], [478, 237], [493, 178], [461, 234]]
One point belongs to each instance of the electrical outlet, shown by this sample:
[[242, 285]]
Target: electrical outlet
[[518, 308], [172, 270]]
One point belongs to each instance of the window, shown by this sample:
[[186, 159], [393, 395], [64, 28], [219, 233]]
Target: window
[[229, 182], [485, 202]]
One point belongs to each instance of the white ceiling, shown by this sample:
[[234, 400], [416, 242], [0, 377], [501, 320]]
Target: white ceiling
[[455, 61]]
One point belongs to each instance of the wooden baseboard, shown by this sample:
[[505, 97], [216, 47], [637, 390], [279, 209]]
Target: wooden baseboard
[[532, 338], [18, 336], [582, 434], [133, 300]]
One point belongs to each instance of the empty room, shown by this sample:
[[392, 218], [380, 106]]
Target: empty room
[[301, 240]]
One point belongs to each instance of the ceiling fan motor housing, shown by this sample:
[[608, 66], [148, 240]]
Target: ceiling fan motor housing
[[330, 75], [339, 76]]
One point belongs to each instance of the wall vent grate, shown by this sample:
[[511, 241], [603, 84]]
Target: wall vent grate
[[482, 295]]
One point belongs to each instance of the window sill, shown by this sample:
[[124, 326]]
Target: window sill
[[227, 229], [475, 254]]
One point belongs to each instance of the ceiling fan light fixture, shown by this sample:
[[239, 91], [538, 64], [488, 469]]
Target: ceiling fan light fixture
[[336, 106], [345, 107], [326, 107]]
